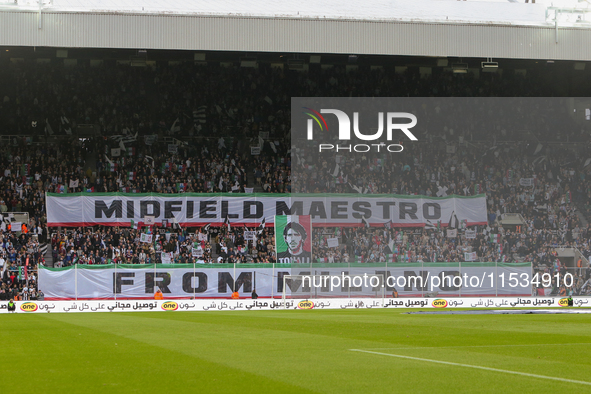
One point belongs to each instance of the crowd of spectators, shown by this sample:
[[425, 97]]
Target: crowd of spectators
[[210, 99], [190, 128], [19, 259], [114, 245]]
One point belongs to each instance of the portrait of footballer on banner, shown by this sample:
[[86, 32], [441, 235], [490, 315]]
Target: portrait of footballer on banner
[[293, 239]]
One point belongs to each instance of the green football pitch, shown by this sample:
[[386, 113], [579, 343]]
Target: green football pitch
[[301, 351]]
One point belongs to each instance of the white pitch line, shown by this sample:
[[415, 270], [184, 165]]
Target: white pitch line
[[471, 346], [476, 367]]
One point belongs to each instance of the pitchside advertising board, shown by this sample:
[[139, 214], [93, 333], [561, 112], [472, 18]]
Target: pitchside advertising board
[[192, 209], [341, 280], [180, 305]]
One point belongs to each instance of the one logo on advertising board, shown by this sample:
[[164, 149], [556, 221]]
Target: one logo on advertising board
[[170, 306], [563, 302], [373, 141], [439, 303], [305, 304], [29, 307]]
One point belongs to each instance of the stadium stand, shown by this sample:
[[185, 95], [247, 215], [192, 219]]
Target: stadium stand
[[215, 113]]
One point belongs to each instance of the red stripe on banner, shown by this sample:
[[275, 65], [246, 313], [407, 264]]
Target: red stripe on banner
[[402, 225], [306, 222], [250, 224], [221, 224], [127, 224], [247, 296]]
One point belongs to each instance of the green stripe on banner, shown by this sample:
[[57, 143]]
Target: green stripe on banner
[[280, 223], [289, 265], [514, 264], [178, 265], [273, 195], [92, 266], [475, 264]]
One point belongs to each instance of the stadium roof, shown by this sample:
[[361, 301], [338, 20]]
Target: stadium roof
[[473, 28]]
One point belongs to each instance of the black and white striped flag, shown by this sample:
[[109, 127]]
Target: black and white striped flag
[[430, 226], [453, 221], [125, 138], [48, 128], [336, 171], [66, 125], [365, 221], [227, 222], [357, 188], [261, 227], [200, 116]]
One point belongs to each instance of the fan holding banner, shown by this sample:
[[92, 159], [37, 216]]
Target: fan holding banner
[[293, 239]]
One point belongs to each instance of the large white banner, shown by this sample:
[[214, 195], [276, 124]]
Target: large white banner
[[180, 305], [96, 282], [202, 281], [117, 209], [446, 279]]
